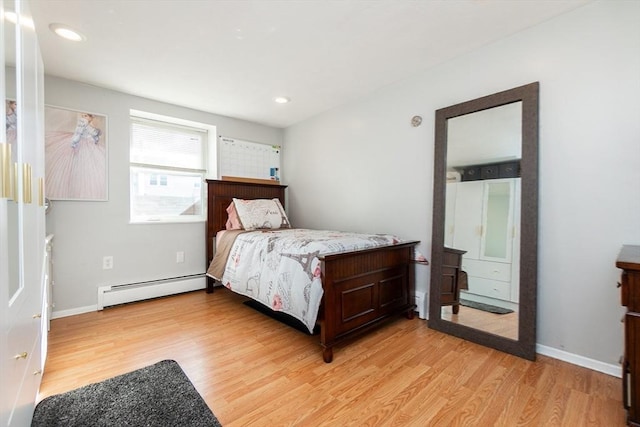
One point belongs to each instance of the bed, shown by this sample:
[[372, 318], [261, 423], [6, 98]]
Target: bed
[[361, 288]]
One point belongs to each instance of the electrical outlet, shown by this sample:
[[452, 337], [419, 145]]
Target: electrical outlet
[[107, 263], [180, 256]]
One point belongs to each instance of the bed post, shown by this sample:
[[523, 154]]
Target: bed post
[[210, 283], [327, 326]]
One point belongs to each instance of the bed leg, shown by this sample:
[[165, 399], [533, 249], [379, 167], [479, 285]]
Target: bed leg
[[327, 354], [410, 314], [210, 283]]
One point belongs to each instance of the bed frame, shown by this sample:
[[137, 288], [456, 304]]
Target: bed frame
[[361, 288]]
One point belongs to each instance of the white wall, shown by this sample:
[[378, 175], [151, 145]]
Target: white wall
[[363, 167], [87, 231]]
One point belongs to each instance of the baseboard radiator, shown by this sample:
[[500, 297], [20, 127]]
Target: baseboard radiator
[[121, 294]]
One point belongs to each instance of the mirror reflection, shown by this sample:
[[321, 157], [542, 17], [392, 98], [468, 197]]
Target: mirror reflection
[[482, 213]]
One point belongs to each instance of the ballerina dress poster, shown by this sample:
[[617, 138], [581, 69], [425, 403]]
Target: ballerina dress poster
[[12, 125], [75, 155]]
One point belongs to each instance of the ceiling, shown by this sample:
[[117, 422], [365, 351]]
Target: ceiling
[[233, 57]]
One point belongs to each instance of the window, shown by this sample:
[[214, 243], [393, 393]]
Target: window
[[168, 163], [153, 180]]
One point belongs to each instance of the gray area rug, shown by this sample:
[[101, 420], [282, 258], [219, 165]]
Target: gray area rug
[[157, 395], [485, 307]]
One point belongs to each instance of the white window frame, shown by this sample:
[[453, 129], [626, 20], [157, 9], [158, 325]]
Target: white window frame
[[209, 159]]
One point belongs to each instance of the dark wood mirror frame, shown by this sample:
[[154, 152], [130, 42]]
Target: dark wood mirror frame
[[525, 345]]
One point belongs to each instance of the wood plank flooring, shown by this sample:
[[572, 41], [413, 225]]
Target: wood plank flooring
[[505, 325], [254, 371]]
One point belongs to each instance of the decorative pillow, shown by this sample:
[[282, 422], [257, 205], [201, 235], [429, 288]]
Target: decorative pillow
[[261, 214], [233, 222]]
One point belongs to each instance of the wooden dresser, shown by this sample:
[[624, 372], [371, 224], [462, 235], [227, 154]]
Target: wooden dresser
[[629, 261], [450, 284]]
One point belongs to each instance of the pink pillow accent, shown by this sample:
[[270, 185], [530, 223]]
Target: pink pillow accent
[[233, 221]]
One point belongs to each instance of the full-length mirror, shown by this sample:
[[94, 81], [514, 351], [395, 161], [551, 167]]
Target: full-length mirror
[[484, 258]]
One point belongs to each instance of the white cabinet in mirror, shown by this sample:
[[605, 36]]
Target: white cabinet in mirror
[[481, 218]]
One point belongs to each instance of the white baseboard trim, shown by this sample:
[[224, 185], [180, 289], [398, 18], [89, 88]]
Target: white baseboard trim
[[606, 368], [119, 294], [73, 311]]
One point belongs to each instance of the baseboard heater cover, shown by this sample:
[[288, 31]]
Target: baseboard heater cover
[[121, 294]]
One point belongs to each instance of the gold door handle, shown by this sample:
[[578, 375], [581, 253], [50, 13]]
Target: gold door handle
[[6, 189], [38, 372], [41, 191], [27, 195], [37, 316], [22, 355], [15, 183]]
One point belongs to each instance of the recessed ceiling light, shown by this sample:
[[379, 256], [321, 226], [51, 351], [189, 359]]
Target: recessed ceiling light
[[67, 32], [282, 99]]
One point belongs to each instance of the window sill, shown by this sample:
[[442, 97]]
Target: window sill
[[166, 221]]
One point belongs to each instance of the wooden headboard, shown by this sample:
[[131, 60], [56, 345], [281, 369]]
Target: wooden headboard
[[221, 193]]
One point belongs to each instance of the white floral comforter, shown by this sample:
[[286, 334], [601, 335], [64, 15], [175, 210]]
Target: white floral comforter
[[280, 268]]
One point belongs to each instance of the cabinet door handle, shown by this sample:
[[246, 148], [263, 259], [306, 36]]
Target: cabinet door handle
[[5, 171], [40, 191], [22, 355], [27, 195], [619, 284]]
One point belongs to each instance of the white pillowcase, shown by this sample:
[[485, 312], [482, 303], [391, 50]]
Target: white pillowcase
[[261, 214]]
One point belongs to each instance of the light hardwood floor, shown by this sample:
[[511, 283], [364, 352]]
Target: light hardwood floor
[[505, 325], [254, 371]]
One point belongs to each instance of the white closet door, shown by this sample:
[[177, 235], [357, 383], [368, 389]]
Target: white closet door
[[468, 218], [449, 213], [21, 220], [515, 257], [497, 220]]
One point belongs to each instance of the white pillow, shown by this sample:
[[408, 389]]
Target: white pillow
[[261, 214]]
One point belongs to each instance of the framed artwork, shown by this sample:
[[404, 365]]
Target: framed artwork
[[75, 155], [11, 121]]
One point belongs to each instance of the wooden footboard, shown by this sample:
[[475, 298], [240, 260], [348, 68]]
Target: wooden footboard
[[363, 289]]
